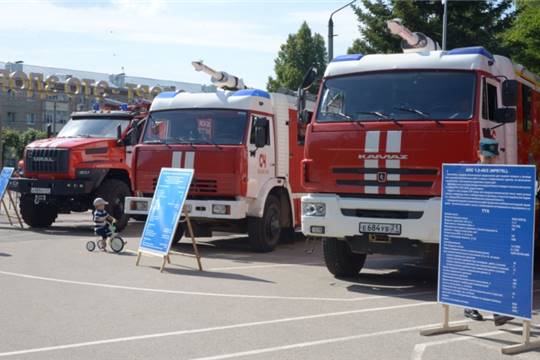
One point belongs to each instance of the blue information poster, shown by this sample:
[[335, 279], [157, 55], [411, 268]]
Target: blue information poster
[[166, 209], [4, 179], [487, 238]]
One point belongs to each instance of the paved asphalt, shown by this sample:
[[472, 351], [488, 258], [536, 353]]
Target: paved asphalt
[[58, 301]]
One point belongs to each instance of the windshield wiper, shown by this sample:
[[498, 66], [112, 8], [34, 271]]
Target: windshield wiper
[[412, 110], [153, 142], [380, 115]]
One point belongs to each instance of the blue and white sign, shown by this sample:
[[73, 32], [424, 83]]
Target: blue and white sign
[[487, 238], [166, 209], [4, 180]]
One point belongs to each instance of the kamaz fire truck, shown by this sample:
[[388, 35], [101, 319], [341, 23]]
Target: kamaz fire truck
[[384, 126], [90, 157], [245, 147]]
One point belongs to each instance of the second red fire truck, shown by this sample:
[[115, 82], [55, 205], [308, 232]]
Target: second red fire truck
[[384, 126], [245, 146]]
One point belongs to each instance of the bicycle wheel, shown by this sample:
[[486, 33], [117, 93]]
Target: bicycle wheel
[[102, 244], [90, 245], [117, 244]]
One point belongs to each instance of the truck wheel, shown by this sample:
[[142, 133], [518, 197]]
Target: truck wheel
[[264, 233], [114, 192], [180, 230], [339, 258], [37, 215]]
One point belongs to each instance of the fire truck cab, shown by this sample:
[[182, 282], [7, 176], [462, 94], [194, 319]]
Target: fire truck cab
[[245, 148], [384, 126]]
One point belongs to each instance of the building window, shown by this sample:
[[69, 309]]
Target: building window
[[30, 119], [11, 117]]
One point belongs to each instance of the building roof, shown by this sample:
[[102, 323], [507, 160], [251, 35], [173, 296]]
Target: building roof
[[63, 73]]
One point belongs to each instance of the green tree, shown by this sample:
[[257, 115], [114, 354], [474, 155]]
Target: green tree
[[470, 23], [524, 35], [29, 136], [301, 51]]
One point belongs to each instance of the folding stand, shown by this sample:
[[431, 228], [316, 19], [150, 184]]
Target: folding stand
[[445, 327], [6, 209], [167, 257], [526, 345]]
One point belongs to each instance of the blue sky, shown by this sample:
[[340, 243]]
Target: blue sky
[[160, 38]]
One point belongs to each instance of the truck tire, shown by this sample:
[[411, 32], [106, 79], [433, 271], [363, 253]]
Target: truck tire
[[180, 230], [264, 233], [37, 215], [114, 192], [339, 258]]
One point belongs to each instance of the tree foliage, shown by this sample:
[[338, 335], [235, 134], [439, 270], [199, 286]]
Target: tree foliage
[[15, 141], [301, 51], [524, 36], [470, 23]]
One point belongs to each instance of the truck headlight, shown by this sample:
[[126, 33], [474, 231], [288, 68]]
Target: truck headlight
[[313, 209], [221, 209], [139, 205]]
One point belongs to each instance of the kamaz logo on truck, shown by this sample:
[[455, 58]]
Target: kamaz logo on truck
[[383, 157], [43, 158]]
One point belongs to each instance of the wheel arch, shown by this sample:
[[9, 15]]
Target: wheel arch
[[279, 188]]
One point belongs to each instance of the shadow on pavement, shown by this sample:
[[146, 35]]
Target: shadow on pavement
[[175, 269], [4, 255]]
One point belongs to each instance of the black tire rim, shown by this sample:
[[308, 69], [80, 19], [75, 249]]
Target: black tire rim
[[90, 246], [272, 226], [117, 244]]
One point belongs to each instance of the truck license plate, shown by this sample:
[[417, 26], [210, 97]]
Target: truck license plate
[[37, 190], [377, 228]]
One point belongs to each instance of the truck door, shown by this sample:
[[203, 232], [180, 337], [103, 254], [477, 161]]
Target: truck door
[[525, 126], [261, 161], [490, 100]]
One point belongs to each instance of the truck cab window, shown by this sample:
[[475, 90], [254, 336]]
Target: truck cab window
[[526, 101], [252, 133], [489, 103], [301, 130]]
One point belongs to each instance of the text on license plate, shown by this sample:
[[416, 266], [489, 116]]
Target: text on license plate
[[37, 190], [377, 228]]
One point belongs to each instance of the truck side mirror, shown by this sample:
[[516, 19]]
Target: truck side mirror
[[49, 131], [509, 92], [303, 117], [309, 77], [119, 135], [261, 132], [505, 115]]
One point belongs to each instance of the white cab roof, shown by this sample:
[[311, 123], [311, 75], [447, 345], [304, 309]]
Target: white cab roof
[[248, 99]]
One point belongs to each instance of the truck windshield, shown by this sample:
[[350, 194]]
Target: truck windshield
[[215, 126], [398, 95], [93, 127]]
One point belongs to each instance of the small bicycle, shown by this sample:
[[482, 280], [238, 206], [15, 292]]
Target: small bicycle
[[115, 241]]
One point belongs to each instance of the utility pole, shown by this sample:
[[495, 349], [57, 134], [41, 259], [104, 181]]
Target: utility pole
[[445, 23], [331, 31]]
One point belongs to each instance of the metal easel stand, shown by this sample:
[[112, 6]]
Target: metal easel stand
[[167, 258], [12, 203], [526, 344], [445, 327]]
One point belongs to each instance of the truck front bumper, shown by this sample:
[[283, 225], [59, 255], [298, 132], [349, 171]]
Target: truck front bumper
[[211, 209], [50, 187], [417, 219]]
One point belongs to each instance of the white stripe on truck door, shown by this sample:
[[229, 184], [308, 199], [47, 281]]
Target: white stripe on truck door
[[176, 159]]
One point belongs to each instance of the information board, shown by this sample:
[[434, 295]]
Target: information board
[[4, 179], [166, 209], [487, 238]]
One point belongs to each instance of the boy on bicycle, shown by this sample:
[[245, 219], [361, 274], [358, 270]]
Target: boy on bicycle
[[102, 219]]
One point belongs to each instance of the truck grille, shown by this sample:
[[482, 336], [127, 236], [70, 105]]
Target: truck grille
[[197, 186], [47, 160]]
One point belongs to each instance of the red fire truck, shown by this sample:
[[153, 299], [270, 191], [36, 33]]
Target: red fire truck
[[384, 126], [245, 147], [90, 157]]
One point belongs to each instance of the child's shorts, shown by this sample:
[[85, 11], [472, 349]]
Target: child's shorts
[[104, 232]]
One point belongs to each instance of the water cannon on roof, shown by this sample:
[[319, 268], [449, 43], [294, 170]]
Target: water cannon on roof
[[220, 78], [412, 41]]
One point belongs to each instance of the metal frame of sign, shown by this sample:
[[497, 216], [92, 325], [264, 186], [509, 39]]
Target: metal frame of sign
[[177, 220], [446, 327], [5, 175]]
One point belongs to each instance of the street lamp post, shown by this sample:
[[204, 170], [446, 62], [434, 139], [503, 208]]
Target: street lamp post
[[331, 31]]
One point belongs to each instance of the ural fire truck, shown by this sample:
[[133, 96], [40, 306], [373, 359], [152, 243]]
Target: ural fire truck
[[90, 157], [245, 147], [384, 126]]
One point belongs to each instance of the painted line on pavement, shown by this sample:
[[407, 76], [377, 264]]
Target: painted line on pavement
[[211, 329], [199, 293], [247, 267], [314, 343]]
